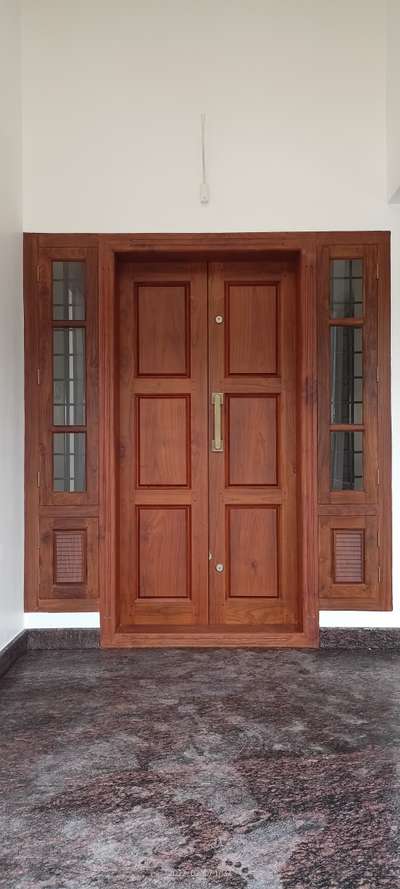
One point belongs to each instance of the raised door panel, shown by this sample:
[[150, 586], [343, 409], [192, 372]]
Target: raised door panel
[[252, 436], [163, 329], [251, 316], [163, 440], [164, 542], [162, 478], [252, 549]]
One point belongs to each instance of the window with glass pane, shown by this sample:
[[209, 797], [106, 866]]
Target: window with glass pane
[[68, 291], [69, 376], [346, 288], [347, 461], [346, 375], [69, 461]]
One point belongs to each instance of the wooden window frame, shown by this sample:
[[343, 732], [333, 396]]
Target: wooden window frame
[[49, 497], [368, 324], [308, 248], [45, 508], [373, 503]]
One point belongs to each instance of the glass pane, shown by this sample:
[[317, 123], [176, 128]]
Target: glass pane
[[347, 461], [346, 288], [69, 461], [346, 375], [69, 376], [68, 291]]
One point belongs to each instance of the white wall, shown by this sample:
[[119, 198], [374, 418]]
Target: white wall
[[393, 100], [11, 329], [295, 97]]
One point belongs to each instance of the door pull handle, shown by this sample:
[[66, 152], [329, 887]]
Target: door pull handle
[[217, 443]]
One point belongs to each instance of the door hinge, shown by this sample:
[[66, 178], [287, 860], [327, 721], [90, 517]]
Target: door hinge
[[377, 477], [377, 271], [38, 479], [377, 374], [38, 376], [379, 574]]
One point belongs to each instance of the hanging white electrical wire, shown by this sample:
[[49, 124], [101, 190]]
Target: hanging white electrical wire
[[204, 189]]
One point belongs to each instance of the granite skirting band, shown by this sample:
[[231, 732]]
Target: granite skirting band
[[13, 651], [379, 639], [47, 640], [68, 638], [375, 639]]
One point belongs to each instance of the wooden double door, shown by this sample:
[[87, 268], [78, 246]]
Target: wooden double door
[[207, 451]]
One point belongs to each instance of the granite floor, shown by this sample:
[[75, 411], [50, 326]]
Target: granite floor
[[161, 769]]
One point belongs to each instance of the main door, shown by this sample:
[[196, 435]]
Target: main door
[[208, 450]]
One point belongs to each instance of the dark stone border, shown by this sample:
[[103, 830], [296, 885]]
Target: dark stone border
[[371, 639], [68, 638], [362, 639], [13, 651]]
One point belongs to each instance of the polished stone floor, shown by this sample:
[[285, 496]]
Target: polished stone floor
[[160, 769]]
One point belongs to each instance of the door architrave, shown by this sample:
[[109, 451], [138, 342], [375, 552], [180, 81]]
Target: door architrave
[[300, 248]]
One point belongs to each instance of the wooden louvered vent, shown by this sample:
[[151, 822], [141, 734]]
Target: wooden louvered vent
[[348, 555], [69, 557]]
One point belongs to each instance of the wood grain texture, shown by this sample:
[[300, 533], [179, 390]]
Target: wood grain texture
[[162, 457], [252, 439], [164, 552], [162, 329], [348, 565], [252, 551], [273, 636], [163, 440], [261, 464], [307, 431], [44, 507], [371, 504], [69, 556], [108, 444], [68, 561], [48, 496], [299, 247], [369, 326], [32, 414], [252, 325], [384, 428], [348, 555]]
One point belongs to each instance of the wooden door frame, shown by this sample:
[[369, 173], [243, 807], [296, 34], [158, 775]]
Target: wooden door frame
[[301, 248], [305, 247]]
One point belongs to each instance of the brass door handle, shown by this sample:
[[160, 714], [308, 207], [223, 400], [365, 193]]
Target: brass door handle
[[217, 400]]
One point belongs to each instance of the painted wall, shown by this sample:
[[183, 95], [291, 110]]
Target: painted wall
[[295, 97], [393, 100], [11, 329]]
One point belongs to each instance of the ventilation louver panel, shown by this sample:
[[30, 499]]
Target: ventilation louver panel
[[69, 557], [348, 555]]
